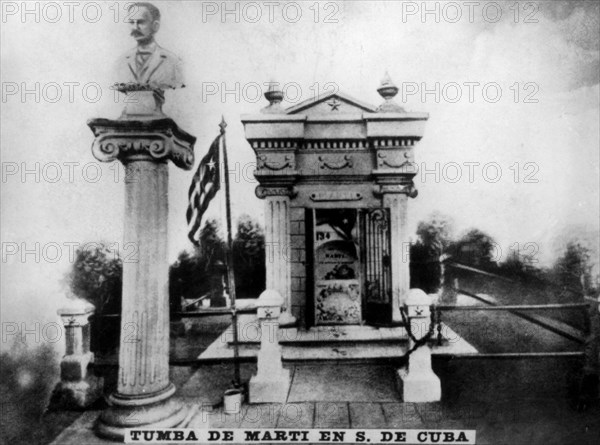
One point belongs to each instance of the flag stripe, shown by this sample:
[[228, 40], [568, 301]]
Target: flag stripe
[[205, 185]]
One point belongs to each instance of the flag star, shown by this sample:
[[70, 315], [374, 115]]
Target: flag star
[[211, 165]]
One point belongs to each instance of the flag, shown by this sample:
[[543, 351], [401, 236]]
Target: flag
[[204, 187]]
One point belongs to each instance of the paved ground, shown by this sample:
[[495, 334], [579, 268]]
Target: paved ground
[[505, 402], [530, 401]]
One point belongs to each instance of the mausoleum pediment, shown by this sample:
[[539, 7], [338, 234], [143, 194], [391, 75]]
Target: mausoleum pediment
[[334, 104]]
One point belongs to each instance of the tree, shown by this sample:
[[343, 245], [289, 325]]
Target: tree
[[97, 276], [475, 247], [212, 247], [249, 258], [573, 268], [187, 278], [434, 237], [435, 234], [190, 276]]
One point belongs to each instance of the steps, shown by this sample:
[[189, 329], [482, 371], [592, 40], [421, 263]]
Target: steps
[[348, 343]]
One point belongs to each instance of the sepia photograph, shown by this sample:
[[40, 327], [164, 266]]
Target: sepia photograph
[[311, 221]]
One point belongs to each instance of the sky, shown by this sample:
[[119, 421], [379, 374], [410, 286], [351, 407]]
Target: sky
[[513, 132]]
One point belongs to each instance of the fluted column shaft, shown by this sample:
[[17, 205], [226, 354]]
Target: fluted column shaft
[[144, 351], [278, 249], [398, 204]]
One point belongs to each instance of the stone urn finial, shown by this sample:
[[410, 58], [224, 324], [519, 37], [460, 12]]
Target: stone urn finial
[[274, 95], [388, 90]]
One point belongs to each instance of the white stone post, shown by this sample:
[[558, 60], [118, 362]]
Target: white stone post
[[144, 390], [278, 252], [77, 387], [271, 383], [416, 381], [397, 203]]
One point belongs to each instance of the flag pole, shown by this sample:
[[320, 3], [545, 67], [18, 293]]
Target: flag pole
[[230, 272]]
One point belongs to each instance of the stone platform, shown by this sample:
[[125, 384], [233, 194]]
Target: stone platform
[[362, 396], [328, 343]]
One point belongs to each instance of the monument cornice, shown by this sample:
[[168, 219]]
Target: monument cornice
[[157, 140]]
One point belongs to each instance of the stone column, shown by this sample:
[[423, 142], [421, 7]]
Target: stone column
[[271, 383], [278, 247], [398, 205], [416, 381], [77, 387], [143, 396]]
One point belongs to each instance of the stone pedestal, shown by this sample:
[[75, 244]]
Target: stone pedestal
[[78, 388], [271, 384], [278, 245], [417, 382], [144, 390]]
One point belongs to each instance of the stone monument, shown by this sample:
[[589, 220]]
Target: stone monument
[[336, 175], [78, 387], [144, 140]]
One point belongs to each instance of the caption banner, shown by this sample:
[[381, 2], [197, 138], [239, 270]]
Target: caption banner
[[372, 436]]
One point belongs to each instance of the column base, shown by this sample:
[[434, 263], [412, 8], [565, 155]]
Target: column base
[[272, 389], [149, 411], [418, 387]]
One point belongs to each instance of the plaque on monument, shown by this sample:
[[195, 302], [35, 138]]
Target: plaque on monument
[[337, 268]]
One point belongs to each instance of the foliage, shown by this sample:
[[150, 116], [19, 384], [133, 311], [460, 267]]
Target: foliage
[[189, 276], [434, 237], [195, 274], [573, 268], [97, 276], [515, 266], [435, 234], [249, 258], [212, 246], [476, 248]]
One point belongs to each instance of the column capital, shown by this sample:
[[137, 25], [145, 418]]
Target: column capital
[[263, 192], [77, 313], [155, 140]]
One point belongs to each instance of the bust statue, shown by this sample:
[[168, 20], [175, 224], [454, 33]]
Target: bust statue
[[147, 69]]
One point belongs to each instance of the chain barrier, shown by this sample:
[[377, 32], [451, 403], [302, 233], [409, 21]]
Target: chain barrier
[[417, 342]]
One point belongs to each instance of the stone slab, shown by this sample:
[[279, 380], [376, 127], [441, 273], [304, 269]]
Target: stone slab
[[402, 415], [296, 415], [366, 415], [340, 383]]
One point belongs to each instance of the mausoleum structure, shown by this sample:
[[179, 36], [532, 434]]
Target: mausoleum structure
[[335, 175]]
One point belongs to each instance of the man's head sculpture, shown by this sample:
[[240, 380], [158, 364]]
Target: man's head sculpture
[[144, 19], [147, 70]]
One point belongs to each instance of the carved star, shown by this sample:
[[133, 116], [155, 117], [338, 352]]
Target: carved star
[[334, 104], [268, 313]]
